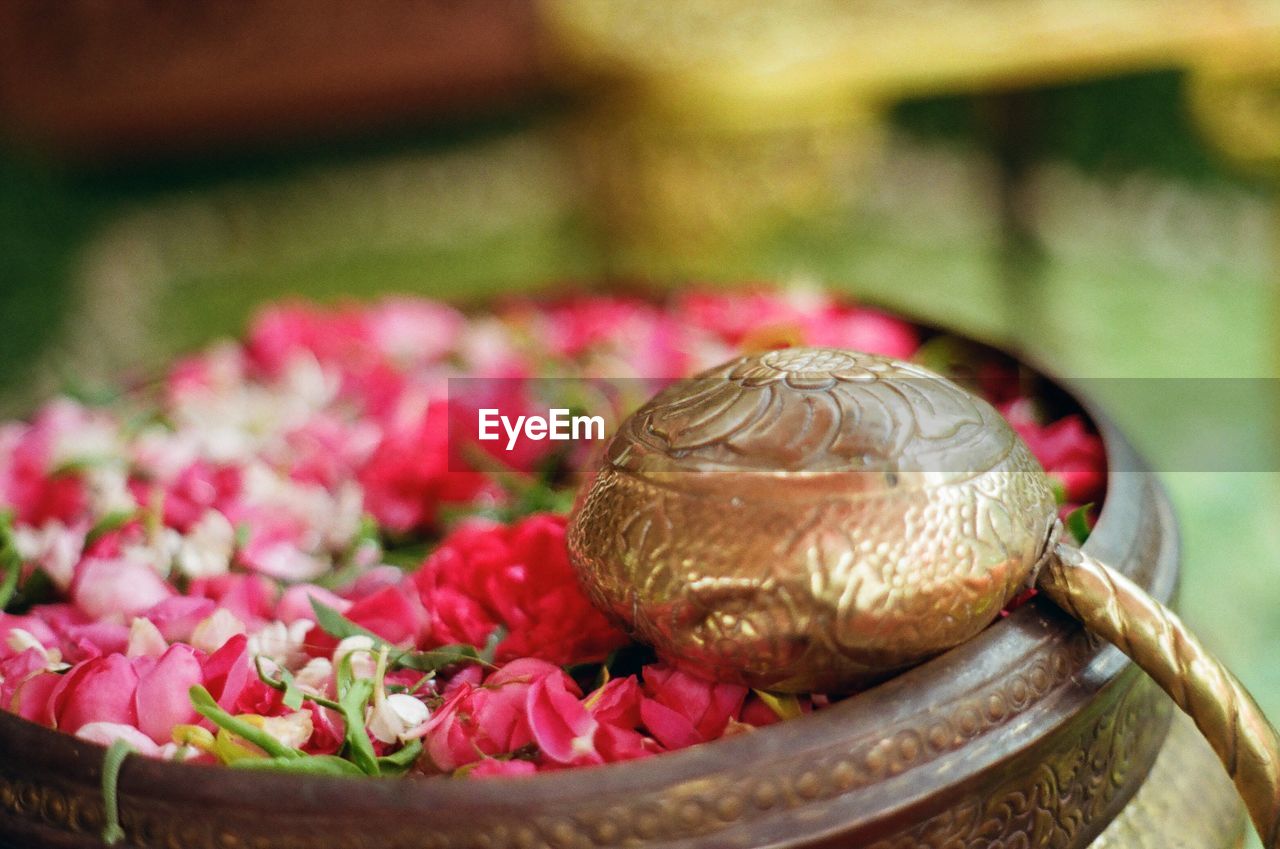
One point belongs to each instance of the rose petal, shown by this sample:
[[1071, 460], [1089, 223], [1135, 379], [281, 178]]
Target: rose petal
[[560, 725], [162, 699]]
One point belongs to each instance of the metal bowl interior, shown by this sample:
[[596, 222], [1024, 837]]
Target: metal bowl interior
[[1031, 728]]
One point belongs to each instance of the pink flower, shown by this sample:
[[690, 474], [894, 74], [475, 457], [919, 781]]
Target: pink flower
[[32, 624], [281, 333], [617, 702], [327, 449], [573, 325], [295, 602], [97, 690], [777, 319], [682, 709], [492, 767], [391, 614], [493, 719], [106, 733], [26, 685], [161, 698], [117, 589], [610, 336], [410, 331], [78, 636], [757, 713], [1067, 449], [274, 546], [736, 316], [250, 598], [519, 577], [145, 693], [177, 616], [510, 396], [561, 727], [863, 330], [327, 731], [30, 482]]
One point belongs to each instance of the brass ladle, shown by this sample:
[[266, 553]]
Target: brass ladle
[[813, 520]]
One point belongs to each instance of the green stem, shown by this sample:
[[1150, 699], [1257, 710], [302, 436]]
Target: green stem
[[112, 832], [208, 708]]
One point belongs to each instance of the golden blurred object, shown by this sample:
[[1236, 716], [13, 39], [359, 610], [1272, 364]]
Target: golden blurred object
[[1236, 100], [722, 55], [711, 122], [674, 194], [812, 519]]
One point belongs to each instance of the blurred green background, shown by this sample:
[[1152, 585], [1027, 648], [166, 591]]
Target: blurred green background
[[1087, 224]]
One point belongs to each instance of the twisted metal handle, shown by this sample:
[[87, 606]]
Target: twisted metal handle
[[1115, 608]]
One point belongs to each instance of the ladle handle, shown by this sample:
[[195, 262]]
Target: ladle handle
[[1116, 609]]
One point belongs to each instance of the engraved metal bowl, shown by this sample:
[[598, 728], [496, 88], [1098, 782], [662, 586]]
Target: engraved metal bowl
[[1029, 735]]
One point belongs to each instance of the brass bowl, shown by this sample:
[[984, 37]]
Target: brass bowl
[[1031, 734]]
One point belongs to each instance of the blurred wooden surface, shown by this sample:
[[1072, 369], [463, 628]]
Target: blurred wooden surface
[[131, 76]]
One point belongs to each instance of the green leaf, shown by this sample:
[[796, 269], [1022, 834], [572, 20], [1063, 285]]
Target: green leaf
[[399, 762], [335, 624], [1078, 523], [293, 697], [10, 562], [433, 660], [308, 765], [784, 705], [107, 524], [88, 393], [352, 701], [205, 705], [490, 649], [38, 588], [406, 557]]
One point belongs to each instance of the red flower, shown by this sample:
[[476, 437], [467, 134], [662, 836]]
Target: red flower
[[197, 488], [798, 318], [616, 707], [391, 613], [283, 332], [519, 577], [1067, 449], [228, 671], [409, 475], [683, 709]]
